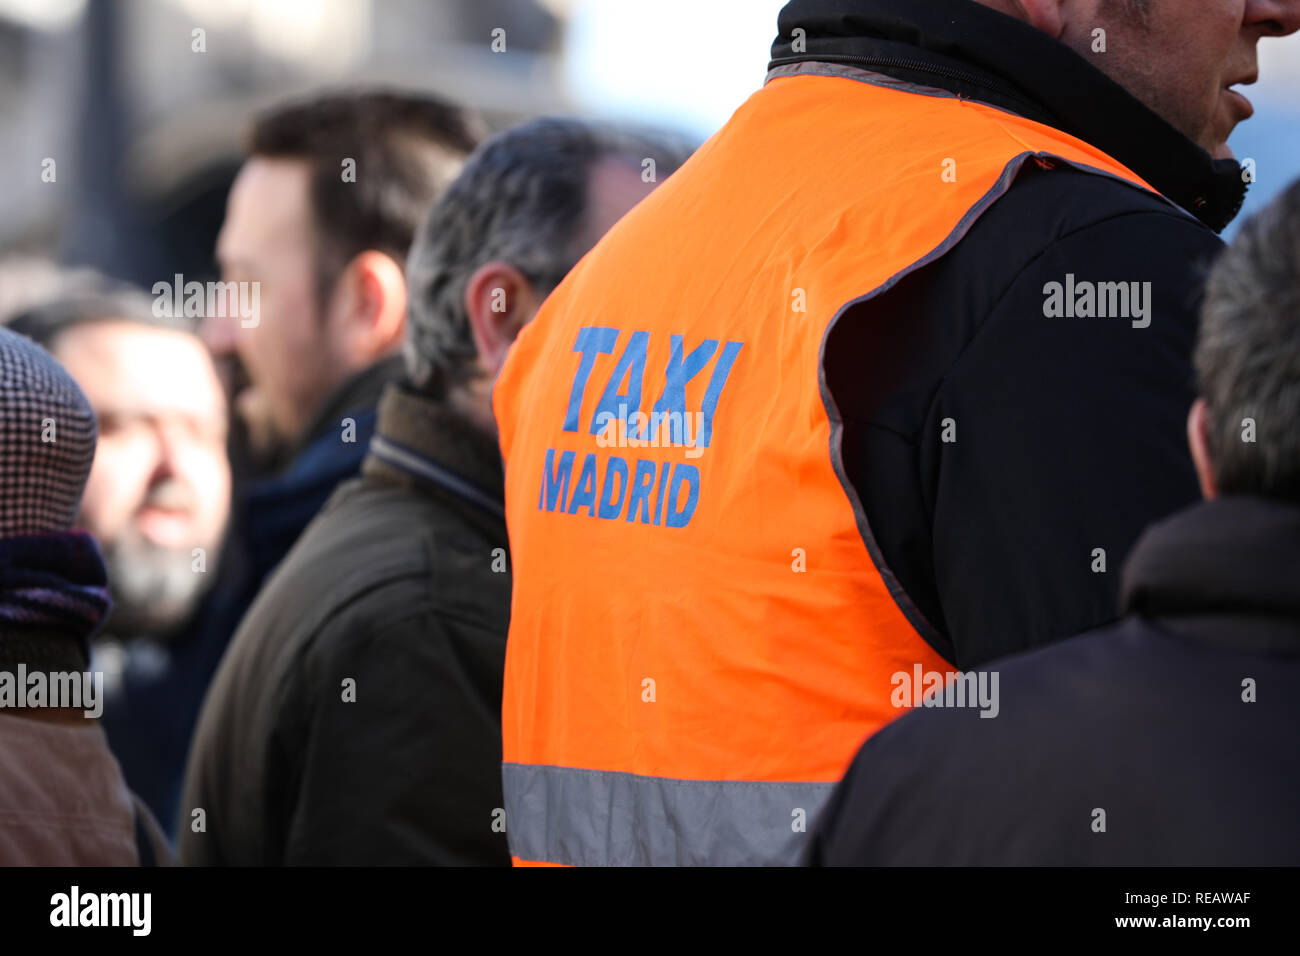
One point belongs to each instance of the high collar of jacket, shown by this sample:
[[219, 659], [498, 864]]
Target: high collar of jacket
[[422, 443], [1232, 564], [972, 51]]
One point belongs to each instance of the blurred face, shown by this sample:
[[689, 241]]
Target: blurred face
[[1183, 58], [160, 483], [268, 238]]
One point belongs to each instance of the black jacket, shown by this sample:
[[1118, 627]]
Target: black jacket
[[1069, 431], [1179, 723], [397, 593]]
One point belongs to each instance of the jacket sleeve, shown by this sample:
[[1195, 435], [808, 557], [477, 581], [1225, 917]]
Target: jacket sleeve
[[389, 745], [1054, 439]]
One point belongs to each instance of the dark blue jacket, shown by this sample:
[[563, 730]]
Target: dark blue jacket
[[1169, 739]]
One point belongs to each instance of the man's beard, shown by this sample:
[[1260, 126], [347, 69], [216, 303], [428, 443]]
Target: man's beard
[[255, 450], [155, 589]]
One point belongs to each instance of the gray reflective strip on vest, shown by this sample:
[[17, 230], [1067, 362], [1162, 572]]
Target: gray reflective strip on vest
[[599, 818]]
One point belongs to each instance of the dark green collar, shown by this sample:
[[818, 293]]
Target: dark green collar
[[422, 443]]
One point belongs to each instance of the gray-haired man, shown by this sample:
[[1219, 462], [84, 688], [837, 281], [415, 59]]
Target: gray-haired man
[[356, 717], [1168, 739]]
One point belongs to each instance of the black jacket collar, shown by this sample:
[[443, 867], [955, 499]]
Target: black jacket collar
[[972, 51], [422, 444], [1226, 570]]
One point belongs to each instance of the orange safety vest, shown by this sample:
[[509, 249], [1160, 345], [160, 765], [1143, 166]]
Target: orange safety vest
[[700, 640]]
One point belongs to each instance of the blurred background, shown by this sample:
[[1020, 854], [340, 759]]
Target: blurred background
[[144, 128]]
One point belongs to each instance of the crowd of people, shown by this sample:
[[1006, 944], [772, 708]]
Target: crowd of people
[[909, 475]]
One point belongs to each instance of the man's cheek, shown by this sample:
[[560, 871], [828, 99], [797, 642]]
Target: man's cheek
[[215, 498], [106, 509]]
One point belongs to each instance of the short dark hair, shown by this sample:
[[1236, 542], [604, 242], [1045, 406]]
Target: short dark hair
[[90, 298], [406, 146], [521, 199], [1248, 355]]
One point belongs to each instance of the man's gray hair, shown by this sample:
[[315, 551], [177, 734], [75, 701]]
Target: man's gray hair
[[1248, 356], [521, 199]]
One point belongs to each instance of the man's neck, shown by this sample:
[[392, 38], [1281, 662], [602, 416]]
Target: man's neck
[[473, 403]]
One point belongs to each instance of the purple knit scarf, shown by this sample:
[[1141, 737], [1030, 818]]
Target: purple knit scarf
[[53, 582]]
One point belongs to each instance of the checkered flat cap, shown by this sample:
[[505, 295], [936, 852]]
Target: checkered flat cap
[[47, 440]]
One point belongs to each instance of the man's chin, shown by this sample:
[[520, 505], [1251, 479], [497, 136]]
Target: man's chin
[[1223, 151], [156, 620], [263, 442], [155, 590]]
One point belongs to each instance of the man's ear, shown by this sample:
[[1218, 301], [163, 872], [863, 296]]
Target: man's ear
[[499, 301], [1197, 440], [368, 308]]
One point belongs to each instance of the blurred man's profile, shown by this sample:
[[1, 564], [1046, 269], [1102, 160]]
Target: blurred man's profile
[[321, 215], [316, 231], [400, 589]]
